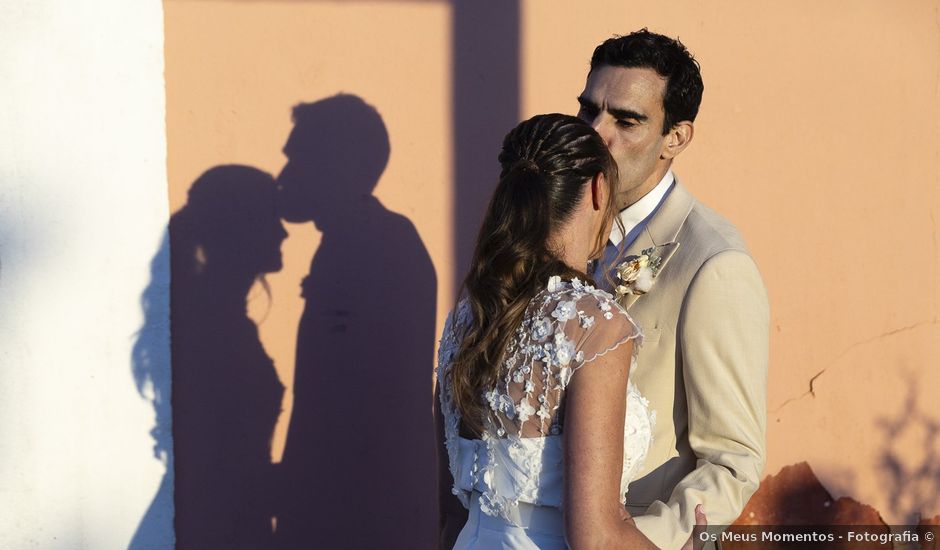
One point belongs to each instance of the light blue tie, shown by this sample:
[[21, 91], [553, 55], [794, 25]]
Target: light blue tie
[[607, 262]]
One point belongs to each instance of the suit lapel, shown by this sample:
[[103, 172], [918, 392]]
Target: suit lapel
[[661, 231]]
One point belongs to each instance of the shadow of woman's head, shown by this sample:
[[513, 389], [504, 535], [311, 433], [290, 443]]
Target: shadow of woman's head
[[229, 227], [227, 236], [336, 153]]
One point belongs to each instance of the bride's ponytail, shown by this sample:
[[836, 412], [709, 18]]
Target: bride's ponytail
[[545, 161], [513, 235]]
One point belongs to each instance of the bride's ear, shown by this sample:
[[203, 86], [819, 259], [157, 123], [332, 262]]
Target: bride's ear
[[599, 191]]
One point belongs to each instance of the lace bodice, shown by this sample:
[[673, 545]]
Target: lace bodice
[[519, 456]]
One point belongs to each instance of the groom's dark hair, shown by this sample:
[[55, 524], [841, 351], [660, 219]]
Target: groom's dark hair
[[669, 58]]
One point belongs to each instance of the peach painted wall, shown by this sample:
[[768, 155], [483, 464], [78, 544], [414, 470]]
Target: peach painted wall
[[238, 68], [818, 137], [236, 71]]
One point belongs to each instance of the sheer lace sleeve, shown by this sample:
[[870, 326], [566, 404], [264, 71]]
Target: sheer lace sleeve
[[566, 327], [517, 458], [447, 350], [603, 326]]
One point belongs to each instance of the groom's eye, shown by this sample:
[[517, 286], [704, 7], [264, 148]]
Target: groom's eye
[[625, 123]]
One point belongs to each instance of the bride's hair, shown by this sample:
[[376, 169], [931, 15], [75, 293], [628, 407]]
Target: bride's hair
[[546, 162]]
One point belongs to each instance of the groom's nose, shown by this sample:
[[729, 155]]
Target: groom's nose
[[602, 129]]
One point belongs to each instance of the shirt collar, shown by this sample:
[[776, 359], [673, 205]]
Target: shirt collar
[[638, 211]]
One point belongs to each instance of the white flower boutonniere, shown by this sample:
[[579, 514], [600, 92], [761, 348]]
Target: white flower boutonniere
[[636, 273]]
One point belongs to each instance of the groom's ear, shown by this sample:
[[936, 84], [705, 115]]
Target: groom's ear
[[677, 139]]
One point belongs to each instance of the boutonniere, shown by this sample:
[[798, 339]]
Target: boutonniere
[[636, 273]]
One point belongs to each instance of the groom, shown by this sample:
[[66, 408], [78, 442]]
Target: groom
[[703, 362]]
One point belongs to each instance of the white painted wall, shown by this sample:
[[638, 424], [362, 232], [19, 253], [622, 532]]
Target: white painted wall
[[83, 205]]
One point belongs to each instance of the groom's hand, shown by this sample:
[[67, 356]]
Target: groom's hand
[[695, 542]]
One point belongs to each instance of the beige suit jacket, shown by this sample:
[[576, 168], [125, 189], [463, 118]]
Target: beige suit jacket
[[703, 366]]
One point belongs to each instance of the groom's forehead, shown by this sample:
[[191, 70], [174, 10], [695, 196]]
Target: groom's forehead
[[625, 88]]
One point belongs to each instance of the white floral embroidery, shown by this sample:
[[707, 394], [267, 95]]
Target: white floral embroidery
[[541, 329], [564, 376], [587, 321], [492, 397], [507, 406], [525, 410], [564, 349], [565, 311], [523, 423]]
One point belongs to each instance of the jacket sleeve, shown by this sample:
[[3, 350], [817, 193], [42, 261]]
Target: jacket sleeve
[[723, 338]]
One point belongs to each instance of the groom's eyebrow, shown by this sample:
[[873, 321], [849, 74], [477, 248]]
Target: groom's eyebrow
[[626, 114], [615, 112]]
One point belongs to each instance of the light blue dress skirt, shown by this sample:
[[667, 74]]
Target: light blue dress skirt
[[540, 528]]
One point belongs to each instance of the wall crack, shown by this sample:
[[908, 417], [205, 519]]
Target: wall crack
[[812, 381]]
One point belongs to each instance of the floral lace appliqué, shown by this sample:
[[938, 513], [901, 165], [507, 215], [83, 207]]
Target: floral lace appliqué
[[518, 457]]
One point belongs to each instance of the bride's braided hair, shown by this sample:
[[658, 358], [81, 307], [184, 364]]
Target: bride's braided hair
[[545, 161]]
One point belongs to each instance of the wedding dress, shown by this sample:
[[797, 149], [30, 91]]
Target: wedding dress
[[511, 479]]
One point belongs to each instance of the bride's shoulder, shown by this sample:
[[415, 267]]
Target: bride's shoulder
[[583, 295], [587, 314]]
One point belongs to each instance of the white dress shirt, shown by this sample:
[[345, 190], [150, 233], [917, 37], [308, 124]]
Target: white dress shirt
[[630, 217], [638, 211]]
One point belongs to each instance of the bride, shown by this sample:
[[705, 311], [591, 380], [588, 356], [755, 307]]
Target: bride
[[542, 428]]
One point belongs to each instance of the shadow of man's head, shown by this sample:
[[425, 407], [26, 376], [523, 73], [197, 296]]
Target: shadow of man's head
[[376, 332], [336, 153]]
